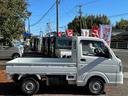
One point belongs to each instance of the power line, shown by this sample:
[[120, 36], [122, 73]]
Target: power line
[[91, 2], [82, 5], [43, 15], [122, 14], [87, 3]]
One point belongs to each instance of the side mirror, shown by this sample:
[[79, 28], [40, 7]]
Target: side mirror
[[107, 54], [117, 56], [96, 50]]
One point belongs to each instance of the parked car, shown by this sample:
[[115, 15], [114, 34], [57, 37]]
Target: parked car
[[8, 50], [20, 45]]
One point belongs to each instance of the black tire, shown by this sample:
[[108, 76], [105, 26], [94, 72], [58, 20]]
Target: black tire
[[96, 86], [16, 55], [29, 86]]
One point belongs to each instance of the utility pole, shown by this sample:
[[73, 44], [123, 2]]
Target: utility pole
[[29, 25], [57, 16], [80, 10], [49, 28], [40, 33], [80, 16], [28, 17]]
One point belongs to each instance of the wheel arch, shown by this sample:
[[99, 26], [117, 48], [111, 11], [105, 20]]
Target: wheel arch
[[15, 54], [99, 75], [37, 77]]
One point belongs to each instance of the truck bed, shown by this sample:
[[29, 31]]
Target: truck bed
[[41, 66]]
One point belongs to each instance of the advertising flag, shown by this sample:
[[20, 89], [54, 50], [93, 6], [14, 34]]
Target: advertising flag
[[95, 31], [85, 32], [59, 34], [105, 33], [69, 32]]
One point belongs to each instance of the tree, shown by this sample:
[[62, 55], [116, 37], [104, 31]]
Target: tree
[[87, 22], [122, 25], [77, 24], [102, 19], [90, 21], [13, 14]]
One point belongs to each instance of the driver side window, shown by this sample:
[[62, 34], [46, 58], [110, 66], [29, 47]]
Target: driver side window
[[94, 48]]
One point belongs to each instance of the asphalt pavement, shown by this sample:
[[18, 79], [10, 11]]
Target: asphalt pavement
[[123, 55]]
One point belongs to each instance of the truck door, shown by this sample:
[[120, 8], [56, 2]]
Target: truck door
[[94, 57]]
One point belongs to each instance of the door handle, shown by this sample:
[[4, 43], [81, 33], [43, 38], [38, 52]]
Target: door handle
[[83, 60]]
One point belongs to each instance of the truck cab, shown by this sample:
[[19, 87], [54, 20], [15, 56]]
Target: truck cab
[[96, 59]]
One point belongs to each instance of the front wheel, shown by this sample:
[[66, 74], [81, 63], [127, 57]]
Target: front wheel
[[96, 86], [29, 86], [16, 55]]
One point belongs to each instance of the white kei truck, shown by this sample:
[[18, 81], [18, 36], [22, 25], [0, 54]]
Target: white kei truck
[[93, 64]]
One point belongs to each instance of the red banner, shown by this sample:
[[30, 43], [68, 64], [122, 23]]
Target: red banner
[[95, 31], [69, 32], [59, 34]]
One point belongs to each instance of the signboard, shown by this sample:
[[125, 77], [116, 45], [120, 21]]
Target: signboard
[[85, 32], [26, 34], [69, 32], [105, 33]]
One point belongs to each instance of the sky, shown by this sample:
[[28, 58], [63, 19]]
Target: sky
[[68, 9]]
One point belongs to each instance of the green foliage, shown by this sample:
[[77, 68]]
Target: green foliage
[[87, 22], [13, 14], [122, 24], [76, 24]]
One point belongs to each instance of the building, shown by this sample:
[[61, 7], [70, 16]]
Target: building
[[119, 40]]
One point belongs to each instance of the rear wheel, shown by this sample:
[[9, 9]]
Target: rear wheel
[[96, 86], [16, 55], [29, 86]]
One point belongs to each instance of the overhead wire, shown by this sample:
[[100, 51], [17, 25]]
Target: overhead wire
[[90, 2], [70, 11], [45, 14], [117, 15]]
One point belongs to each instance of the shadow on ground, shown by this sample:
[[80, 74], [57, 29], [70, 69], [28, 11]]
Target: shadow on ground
[[12, 89], [9, 89]]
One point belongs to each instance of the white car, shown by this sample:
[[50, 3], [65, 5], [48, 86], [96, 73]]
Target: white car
[[9, 50], [63, 53], [19, 45]]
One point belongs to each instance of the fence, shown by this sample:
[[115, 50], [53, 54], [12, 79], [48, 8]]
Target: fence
[[119, 45]]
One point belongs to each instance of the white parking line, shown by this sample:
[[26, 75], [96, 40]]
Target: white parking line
[[126, 75]]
